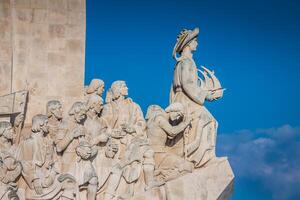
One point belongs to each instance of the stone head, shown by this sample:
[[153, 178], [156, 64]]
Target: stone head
[[40, 124], [152, 111], [118, 88], [175, 111], [78, 111], [111, 149], [96, 87], [186, 40], [54, 108], [95, 103], [193, 45], [6, 130]]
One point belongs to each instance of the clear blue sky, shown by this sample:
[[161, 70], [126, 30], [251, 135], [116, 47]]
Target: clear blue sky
[[254, 48]]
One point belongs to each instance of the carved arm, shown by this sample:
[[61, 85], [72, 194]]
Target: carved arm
[[172, 131]]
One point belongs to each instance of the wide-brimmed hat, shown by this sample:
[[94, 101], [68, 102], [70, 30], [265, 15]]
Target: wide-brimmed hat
[[183, 39]]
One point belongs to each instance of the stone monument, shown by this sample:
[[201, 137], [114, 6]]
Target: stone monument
[[42, 51], [61, 140]]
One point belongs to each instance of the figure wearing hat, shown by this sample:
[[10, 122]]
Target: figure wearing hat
[[191, 91]]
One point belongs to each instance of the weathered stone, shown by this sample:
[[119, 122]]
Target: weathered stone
[[24, 14], [39, 42], [22, 3], [76, 5], [5, 51], [208, 182], [21, 43], [20, 58], [75, 31], [76, 18], [39, 4], [75, 46], [5, 10], [39, 16], [57, 31], [57, 16], [5, 80], [5, 31], [57, 5], [40, 30], [22, 28], [56, 59], [57, 45]]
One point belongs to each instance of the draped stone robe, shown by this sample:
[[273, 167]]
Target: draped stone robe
[[186, 90]]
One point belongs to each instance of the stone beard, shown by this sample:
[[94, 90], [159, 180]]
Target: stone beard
[[107, 150]]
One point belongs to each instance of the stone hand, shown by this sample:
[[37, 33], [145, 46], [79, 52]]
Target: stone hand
[[84, 152], [19, 119], [37, 186], [117, 133], [127, 128], [78, 132]]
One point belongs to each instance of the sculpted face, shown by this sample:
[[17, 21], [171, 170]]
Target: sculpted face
[[100, 90], [193, 45], [124, 89], [45, 127], [9, 133], [57, 112], [80, 116]]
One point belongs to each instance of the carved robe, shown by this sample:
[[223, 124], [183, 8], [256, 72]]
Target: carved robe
[[81, 169], [124, 112], [95, 128], [186, 90], [10, 170], [39, 161]]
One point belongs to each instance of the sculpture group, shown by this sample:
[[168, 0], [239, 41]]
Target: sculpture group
[[107, 149]]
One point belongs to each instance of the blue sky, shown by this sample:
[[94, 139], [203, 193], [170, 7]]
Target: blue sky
[[254, 48]]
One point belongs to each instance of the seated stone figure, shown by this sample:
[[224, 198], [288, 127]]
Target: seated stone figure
[[40, 171], [163, 128], [10, 168], [138, 158], [77, 152]]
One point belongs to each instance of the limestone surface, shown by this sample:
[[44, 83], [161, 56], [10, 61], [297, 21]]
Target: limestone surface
[[42, 50]]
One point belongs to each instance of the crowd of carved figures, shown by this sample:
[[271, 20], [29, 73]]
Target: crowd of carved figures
[[107, 149]]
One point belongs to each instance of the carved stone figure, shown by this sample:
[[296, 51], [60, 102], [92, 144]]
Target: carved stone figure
[[165, 128], [192, 91], [96, 130], [18, 126], [40, 167], [109, 151], [123, 116], [139, 159], [10, 168], [96, 87], [127, 126], [77, 151], [55, 117]]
